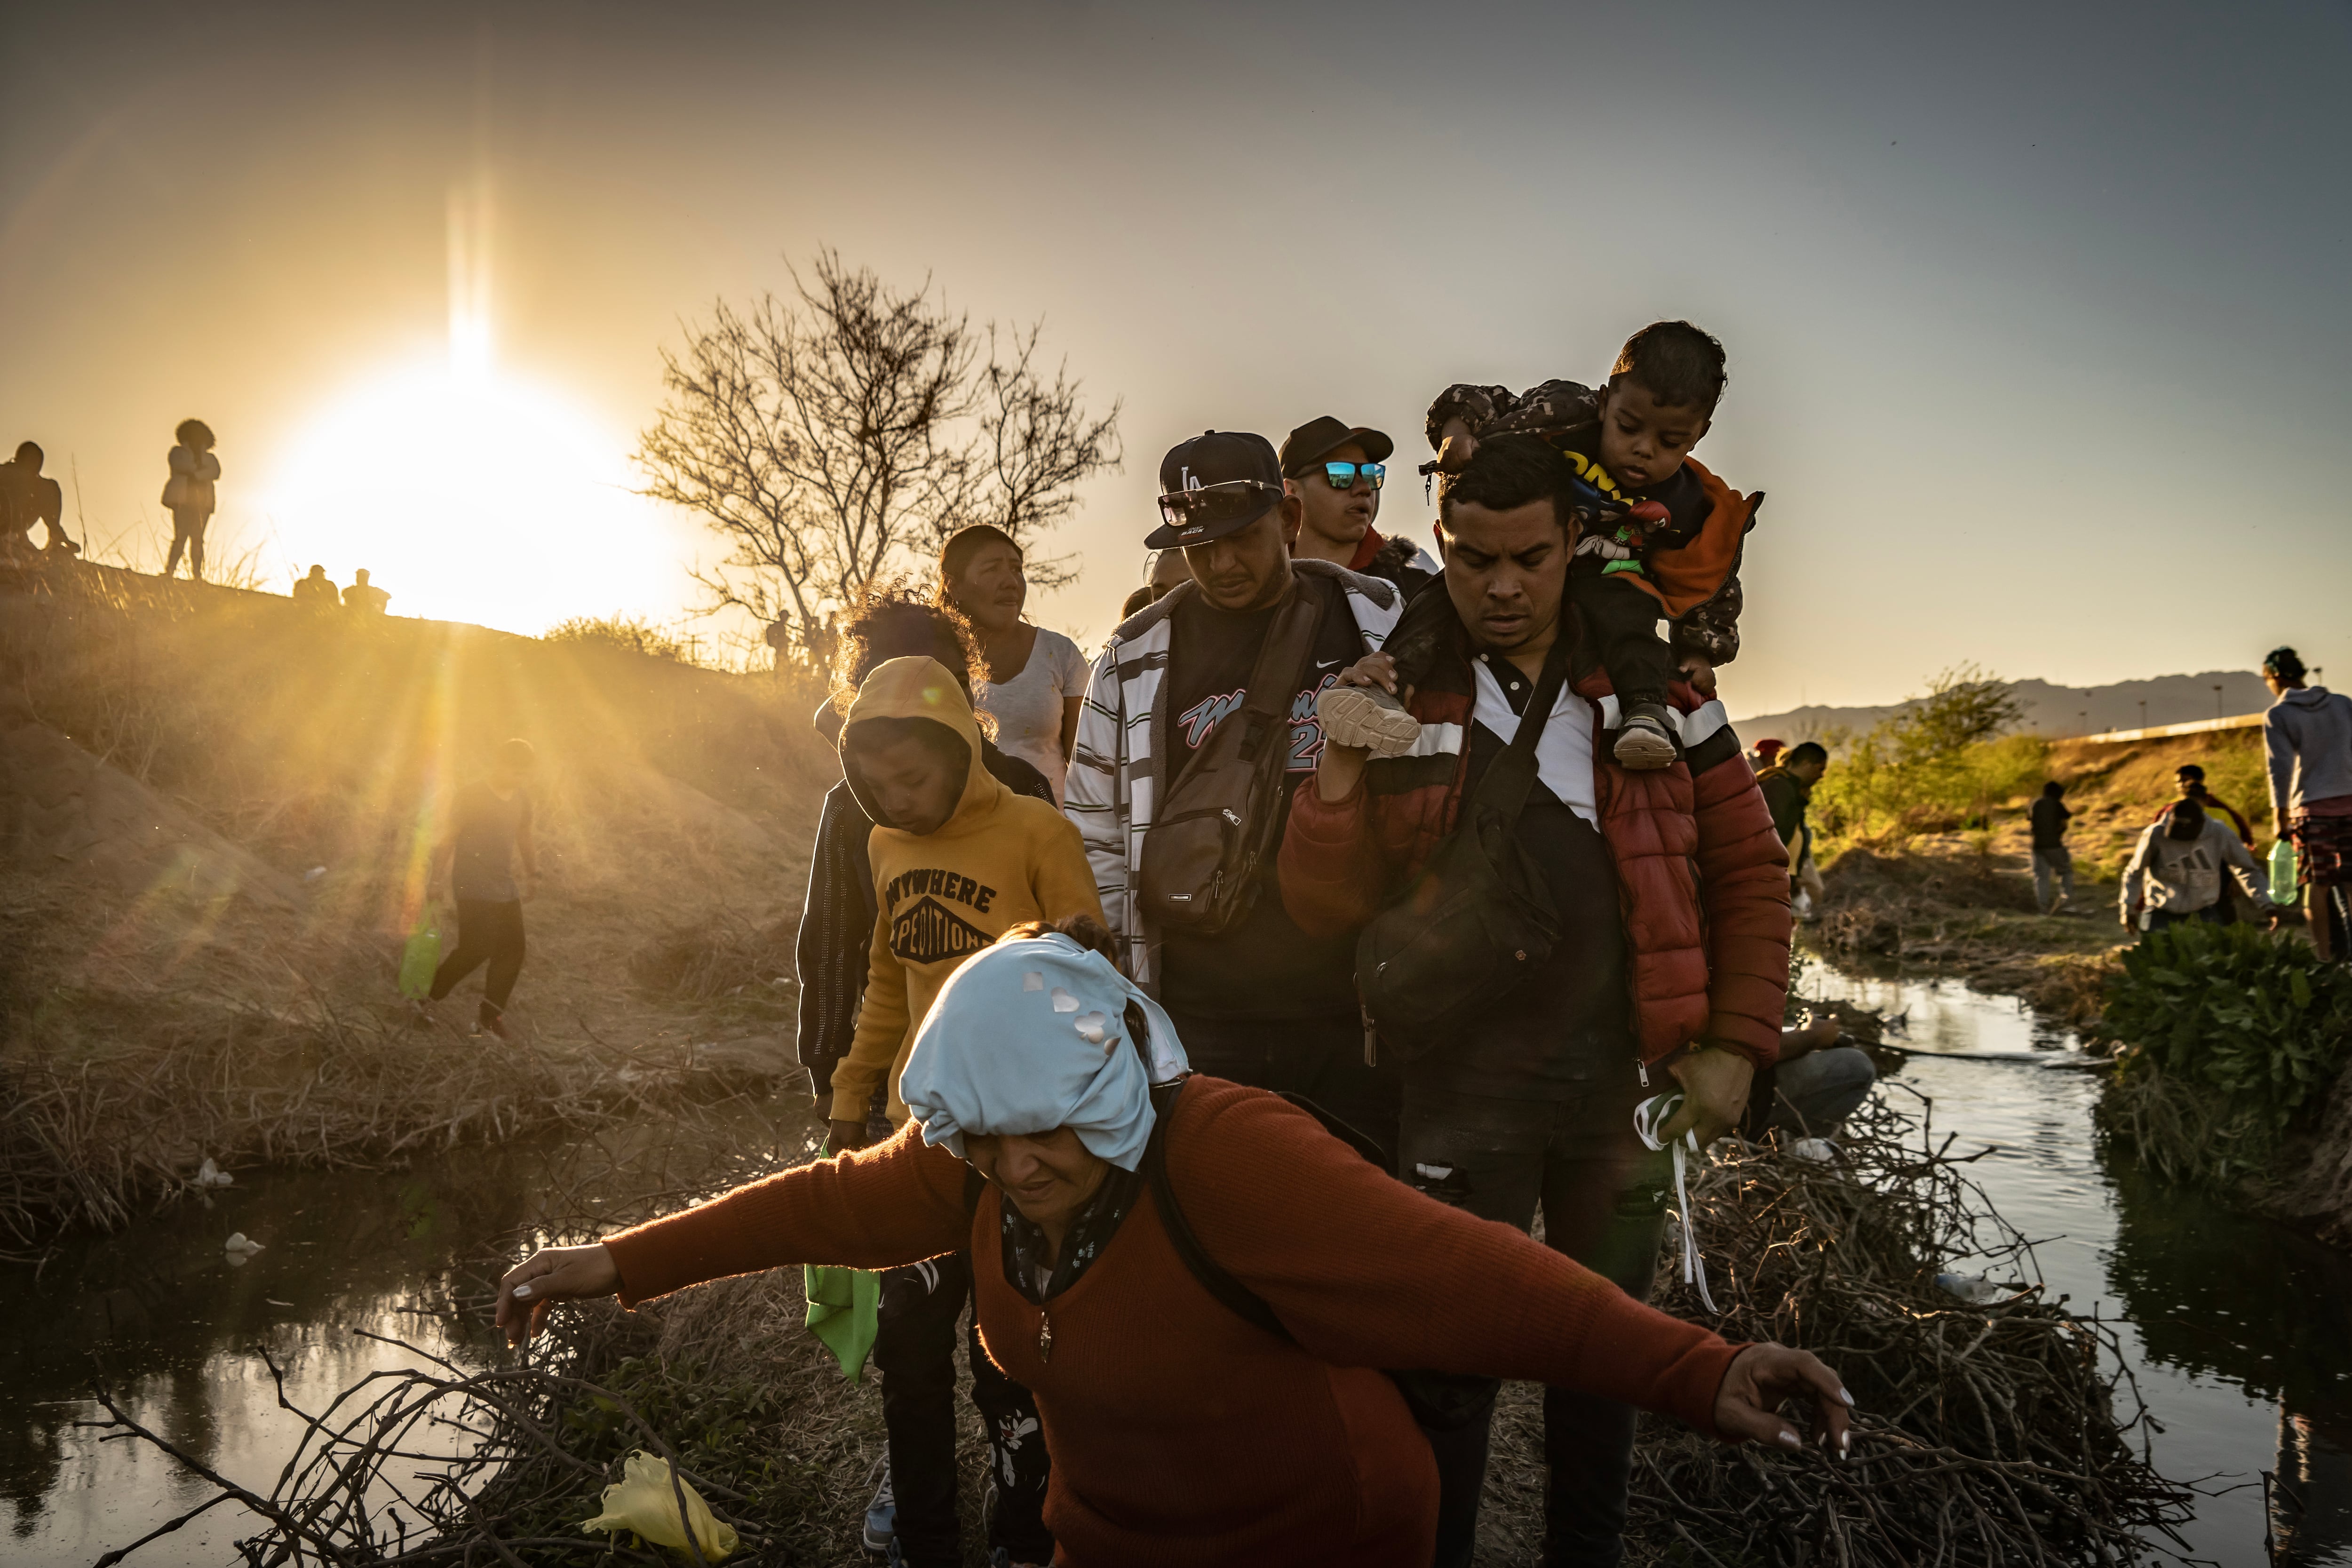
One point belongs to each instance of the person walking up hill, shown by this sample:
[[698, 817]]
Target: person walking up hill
[[2307, 736], [489, 831], [189, 494]]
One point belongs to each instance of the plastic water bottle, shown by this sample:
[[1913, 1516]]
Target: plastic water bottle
[[2283, 889]]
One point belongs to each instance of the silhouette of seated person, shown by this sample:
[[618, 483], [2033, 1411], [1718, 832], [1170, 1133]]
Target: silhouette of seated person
[[28, 497], [363, 597], [316, 592]]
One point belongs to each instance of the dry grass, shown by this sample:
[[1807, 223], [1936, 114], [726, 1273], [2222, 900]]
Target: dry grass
[[147, 1022]]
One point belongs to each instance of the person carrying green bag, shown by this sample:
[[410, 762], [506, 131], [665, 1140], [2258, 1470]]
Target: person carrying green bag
[[422, 955]]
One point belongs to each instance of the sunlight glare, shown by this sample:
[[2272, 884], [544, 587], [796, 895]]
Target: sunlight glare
[[471, 495]]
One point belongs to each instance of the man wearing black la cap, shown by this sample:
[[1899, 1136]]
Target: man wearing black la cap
[[1335, 471], [1260, 1003]]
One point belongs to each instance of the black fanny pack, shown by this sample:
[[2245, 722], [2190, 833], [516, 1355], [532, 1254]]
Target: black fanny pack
[[1478, 917]]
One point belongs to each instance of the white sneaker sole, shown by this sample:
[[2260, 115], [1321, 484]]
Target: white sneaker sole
[[1352, 716], [1644, 749]]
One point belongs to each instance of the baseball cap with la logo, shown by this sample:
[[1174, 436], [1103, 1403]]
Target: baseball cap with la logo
[[1217, 483]]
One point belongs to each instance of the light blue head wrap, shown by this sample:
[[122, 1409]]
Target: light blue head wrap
[[1030, 1035]]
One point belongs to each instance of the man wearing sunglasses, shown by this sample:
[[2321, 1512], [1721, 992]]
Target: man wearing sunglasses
[[1260, 1002], [1335, 472]]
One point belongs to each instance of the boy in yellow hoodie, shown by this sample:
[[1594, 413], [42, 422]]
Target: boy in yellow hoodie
[[959, 859]]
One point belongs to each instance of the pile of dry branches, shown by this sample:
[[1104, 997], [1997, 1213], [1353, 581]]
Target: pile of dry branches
[[1988, 1434]]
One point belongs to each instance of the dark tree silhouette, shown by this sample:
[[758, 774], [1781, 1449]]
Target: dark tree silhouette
[[835, 436]]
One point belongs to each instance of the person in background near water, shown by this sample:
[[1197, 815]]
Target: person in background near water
[[2054, 865], [1671, 959], [2191, 780], [363, 597], [189, 494], [2307, 738], [1036, 678], [832, 957], [1185, 1435], [2175, 872], [1788, 788], [958, 859], [1335, 471], [316, 592], [1816, 1082], [1261, 1001], [489, 831], [28, 497], [1162, 570]]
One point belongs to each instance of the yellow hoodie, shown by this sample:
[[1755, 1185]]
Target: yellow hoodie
[[999, 859]]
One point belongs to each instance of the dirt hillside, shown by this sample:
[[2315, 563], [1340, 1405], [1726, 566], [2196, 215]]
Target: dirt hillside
[[214, 814]]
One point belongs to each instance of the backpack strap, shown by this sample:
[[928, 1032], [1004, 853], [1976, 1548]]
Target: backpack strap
[[1243, 1302], [974, 1184]]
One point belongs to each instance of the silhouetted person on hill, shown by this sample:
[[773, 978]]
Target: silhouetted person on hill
[[363, 597], [189, 494], [489, 831], [28, 497], [315, 592], [2054, 863]]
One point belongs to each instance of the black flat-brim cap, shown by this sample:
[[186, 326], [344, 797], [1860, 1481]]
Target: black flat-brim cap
[[1215, 458], [1318, 439]]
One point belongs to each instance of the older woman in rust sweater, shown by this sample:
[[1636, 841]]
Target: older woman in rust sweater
[[1182, 1431]]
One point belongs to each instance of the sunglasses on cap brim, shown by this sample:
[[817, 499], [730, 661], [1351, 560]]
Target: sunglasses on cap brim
[[1343, 475], [1235, 501]]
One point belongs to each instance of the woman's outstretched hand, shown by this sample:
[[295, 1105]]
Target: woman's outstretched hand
[[1761, 1377], [555, 1274]]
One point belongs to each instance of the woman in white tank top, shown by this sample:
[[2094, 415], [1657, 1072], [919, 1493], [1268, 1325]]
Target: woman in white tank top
[[1037, 678]]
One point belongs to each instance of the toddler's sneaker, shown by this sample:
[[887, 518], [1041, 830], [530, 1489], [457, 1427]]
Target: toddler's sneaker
[[1646, 739], [1369, 717]]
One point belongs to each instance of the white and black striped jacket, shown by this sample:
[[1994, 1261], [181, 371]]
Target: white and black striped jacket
[[1115, 775]]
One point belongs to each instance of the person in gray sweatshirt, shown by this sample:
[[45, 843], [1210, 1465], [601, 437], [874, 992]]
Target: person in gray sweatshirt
[[2307, 736], [2175, 871]]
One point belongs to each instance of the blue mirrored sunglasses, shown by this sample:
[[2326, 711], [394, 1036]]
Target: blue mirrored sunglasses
[[1343, 475]]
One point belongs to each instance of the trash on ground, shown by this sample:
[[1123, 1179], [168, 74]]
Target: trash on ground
[[644, 1501]]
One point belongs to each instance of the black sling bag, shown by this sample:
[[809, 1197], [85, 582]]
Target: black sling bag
[[1478, 917]]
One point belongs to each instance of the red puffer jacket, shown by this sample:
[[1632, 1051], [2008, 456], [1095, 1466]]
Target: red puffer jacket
[[1703, 878]]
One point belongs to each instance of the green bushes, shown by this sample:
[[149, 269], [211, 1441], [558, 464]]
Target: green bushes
[[2231, 1034], [1940, 764]]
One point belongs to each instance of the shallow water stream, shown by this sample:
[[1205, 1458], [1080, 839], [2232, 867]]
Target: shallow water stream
[[2239, 1332]]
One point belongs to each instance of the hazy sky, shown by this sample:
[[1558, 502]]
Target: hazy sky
[[2037, 315]]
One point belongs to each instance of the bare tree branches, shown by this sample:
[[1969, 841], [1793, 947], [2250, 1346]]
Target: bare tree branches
[[828, 438]]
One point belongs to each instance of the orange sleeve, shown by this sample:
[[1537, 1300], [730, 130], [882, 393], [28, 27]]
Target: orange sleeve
[[1686, 578]]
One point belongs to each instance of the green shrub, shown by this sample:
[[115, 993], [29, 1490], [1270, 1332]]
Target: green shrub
[[2258, 1021], [630, 633], [1940, 764]]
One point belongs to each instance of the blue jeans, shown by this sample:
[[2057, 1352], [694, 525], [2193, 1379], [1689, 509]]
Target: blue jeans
[[2216, 913], [1814, 1092]]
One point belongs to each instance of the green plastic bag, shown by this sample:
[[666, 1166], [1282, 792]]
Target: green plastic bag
[[844, 1307], [422, 956], [2283, 888]]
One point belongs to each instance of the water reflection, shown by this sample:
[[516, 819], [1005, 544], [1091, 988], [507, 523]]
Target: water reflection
[[2238, 1329]]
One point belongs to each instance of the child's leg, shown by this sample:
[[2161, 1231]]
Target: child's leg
[[1622, 619]]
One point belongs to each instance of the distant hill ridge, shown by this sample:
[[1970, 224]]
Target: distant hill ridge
[[2056, 710]]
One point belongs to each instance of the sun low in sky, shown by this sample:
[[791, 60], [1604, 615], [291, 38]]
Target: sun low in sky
[[471, 492]]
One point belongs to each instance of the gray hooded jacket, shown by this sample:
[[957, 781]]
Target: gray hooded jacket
[[2308, 736]]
